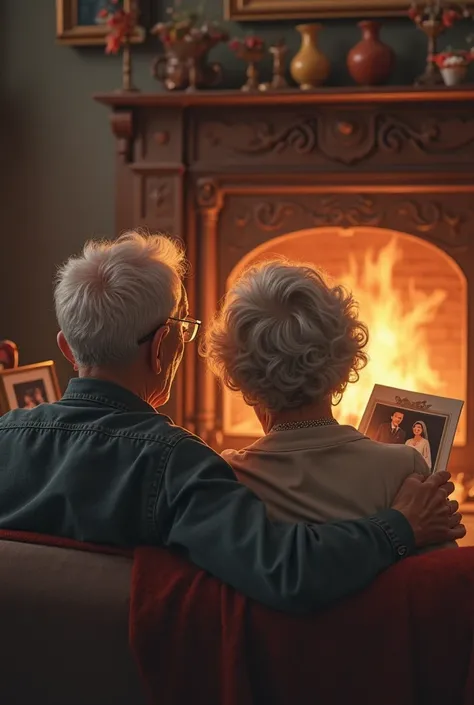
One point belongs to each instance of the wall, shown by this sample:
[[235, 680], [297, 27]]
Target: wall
[[58, 152]]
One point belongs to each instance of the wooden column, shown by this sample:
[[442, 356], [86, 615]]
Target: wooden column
[[209, 204]]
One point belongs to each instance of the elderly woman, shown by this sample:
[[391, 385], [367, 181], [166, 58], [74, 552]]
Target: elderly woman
[[291, 343], [104, 465]]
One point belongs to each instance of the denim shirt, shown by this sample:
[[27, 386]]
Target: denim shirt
[[101, 465]]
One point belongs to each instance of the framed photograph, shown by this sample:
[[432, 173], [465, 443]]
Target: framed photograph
[[28, 386], [424, 422], [76, 22], [311, 9]]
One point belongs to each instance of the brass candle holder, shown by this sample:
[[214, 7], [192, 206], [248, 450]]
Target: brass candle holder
[[279, 52], [252, 51]]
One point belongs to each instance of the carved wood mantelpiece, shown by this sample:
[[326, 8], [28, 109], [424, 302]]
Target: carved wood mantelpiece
[[228, 171]]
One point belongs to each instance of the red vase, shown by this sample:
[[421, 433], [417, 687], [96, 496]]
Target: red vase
[[370, 62]]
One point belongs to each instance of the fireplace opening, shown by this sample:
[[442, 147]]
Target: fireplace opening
[[412, 296]]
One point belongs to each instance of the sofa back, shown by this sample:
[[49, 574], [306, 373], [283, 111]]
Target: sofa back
[[64, 628]]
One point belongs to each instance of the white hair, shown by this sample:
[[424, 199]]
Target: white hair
[[116, 292], [285, 338]]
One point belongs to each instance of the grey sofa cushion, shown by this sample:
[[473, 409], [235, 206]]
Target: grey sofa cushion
[[64, 628]]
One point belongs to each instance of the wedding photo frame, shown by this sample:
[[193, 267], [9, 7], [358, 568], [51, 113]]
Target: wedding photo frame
[[269, 10], [28, 386], [426, 422]]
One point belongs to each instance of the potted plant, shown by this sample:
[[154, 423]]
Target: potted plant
[[187, 38], [453, 65]]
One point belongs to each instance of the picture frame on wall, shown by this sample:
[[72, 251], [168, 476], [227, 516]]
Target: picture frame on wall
[[76, 22], [268, 10], [28, 386]]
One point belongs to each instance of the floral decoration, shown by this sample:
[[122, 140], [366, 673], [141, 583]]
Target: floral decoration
[[252, 43], [189, 26], [435, 12], [452, 58], [120, 23]]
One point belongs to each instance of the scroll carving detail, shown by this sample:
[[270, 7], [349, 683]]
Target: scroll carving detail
[[331, 212], [121, 122], [428, 218], [346, 140], [267, 215]]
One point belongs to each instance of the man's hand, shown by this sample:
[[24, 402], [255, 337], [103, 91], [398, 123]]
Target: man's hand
[[424, 503]]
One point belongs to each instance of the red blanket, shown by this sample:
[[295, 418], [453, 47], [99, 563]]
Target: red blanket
[[407, 640]]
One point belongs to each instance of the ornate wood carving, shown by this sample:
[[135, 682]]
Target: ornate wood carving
[[160, 195], [346, 138], [427, 218], [430, 218], [208, 195], [122, 127]]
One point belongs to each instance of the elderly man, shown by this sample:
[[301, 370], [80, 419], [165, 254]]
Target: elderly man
[[102, 465]]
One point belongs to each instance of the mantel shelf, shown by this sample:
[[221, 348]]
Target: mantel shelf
[[328, 96]]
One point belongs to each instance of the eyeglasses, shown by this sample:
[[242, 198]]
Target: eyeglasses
[[189, 327]]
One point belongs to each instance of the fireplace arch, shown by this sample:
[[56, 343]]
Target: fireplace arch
[[413, 296]]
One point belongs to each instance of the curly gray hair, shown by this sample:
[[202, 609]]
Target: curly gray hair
[[285, 338]]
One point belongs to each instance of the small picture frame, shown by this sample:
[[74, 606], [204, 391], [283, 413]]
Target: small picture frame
[[427, 423], [28, 386], [76, 23]]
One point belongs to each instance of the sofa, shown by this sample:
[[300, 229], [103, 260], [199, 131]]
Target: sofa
[[64, 628]]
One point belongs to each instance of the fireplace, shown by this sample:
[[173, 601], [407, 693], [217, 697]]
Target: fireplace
[[374, 188], [411, 295]]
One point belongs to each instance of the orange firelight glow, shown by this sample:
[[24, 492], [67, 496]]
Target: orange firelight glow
[[398, 349], [412, 297]]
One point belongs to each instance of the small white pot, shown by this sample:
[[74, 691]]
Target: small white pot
[[454, 75]]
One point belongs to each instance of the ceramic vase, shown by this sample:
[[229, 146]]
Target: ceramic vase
[[310, 67], [370, 62]]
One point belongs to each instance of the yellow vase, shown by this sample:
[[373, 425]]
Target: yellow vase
[[309, 68]]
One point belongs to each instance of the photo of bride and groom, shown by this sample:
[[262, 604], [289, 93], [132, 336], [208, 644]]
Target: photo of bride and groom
[[417, 436], [425, 422]]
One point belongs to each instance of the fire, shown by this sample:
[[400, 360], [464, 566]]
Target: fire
[[397, 321]]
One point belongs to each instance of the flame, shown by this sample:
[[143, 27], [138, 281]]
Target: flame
[[397, 321]]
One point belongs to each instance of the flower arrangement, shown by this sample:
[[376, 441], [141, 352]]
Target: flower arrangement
[[453, 65], [435, 12], [120, 23], [452, 58], [247, 45], [189, 26]]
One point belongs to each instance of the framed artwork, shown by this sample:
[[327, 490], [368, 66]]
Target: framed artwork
[[28, 386], [76, 22], [425, 422], [312, 9]]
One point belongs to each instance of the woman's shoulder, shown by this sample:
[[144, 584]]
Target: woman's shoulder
[[391, 453]]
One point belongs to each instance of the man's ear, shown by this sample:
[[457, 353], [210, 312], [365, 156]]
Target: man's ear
[[156, 349], [63, 345]]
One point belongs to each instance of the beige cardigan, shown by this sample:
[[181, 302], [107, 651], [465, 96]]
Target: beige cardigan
[[324, 473]]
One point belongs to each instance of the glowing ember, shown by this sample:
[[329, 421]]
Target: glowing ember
[[397, 320]]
